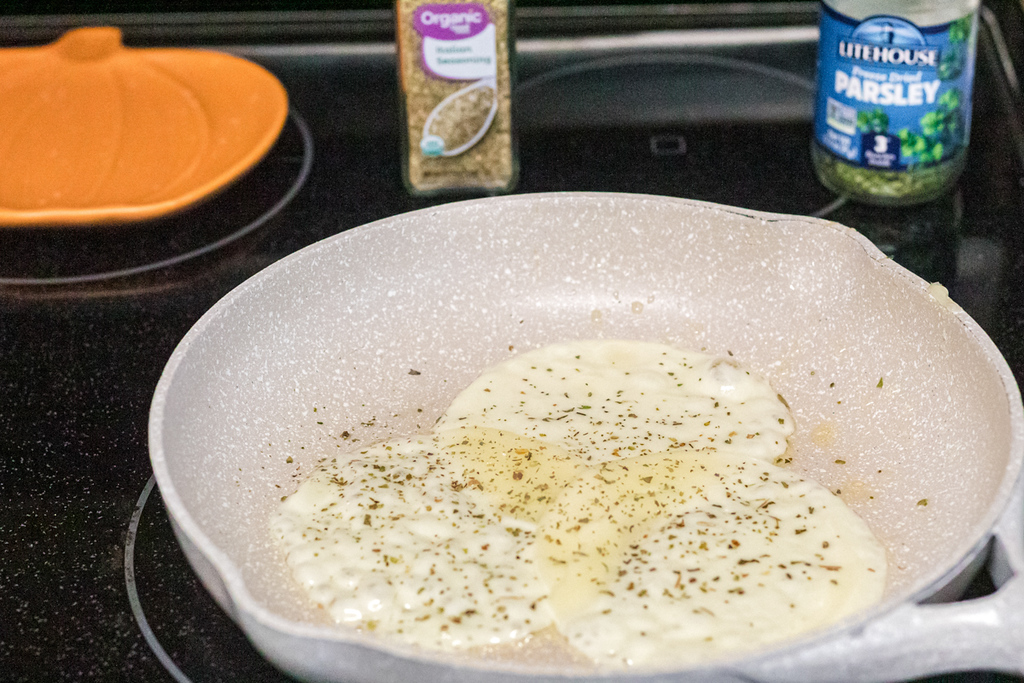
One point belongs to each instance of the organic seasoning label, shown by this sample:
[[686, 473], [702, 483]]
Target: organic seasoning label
[[893, 95], [458, 41]]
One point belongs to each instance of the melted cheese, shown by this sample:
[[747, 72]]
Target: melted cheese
[[624, 493], [679, 558], [610, 399], [398, 539]]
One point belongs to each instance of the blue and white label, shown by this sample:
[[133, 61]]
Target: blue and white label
[[892, 95]]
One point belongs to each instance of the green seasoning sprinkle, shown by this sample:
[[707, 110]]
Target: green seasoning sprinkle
[[923, 502], [879, 385]]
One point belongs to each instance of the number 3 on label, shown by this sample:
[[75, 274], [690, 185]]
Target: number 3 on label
[[881, 144]]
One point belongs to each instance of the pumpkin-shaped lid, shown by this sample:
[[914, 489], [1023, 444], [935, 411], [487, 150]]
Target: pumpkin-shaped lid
[[94, 132]]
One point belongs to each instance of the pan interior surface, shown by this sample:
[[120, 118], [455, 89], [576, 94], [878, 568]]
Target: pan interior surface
[[899, 404]]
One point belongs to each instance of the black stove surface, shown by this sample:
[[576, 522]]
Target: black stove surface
[[93, 586]]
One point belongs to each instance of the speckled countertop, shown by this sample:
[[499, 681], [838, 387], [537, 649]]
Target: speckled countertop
[[79, 361]]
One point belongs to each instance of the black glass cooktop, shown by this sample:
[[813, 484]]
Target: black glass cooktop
[[93, 586]]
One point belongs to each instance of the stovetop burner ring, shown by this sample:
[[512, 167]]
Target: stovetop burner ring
[[133, 592]]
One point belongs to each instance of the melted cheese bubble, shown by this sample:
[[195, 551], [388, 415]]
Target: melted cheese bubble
[[400, 538], [679, 558], [623, 493], [610, 399]]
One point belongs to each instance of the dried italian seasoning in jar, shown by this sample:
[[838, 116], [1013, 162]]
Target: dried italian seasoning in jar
[[455, 74]]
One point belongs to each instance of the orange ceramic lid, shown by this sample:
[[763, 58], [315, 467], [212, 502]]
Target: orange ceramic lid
[[94, 132]]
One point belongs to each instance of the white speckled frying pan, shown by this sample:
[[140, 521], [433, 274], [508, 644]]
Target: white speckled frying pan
[[363, 331]]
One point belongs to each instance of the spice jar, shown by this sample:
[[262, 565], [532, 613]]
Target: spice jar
[[454, 61], [893, 111]]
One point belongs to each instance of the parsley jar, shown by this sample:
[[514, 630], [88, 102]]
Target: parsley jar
[[893, 106]]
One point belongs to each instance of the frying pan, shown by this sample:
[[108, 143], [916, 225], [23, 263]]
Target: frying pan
[[371, 333]]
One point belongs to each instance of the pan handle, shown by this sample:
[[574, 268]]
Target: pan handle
[[918, 640]]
